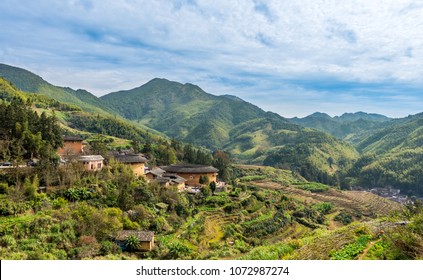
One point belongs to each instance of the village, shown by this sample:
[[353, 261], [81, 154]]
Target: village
[[184, 177], [189, 178]]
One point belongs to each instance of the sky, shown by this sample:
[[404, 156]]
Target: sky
[[289, 57]]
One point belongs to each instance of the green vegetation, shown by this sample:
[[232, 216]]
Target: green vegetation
[[241, 128], [351, 251], [293, 208], [312, 187], [29, 82], [25, 134], [351, 127]]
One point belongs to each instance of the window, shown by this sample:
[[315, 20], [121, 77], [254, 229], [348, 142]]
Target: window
[[99, 165], [191, 177], [92, 166]]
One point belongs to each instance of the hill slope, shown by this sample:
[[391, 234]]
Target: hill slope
[[32, 83], [393, 156]]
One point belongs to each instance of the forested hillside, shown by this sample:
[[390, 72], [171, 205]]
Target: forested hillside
[[250, 134], [32, 83], [393, 157]]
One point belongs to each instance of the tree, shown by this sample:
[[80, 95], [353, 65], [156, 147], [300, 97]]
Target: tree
[[222, 161], [331, 161], [206, 191], [212, 186]]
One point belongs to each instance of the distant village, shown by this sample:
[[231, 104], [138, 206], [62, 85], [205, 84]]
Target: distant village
[[388, 192]]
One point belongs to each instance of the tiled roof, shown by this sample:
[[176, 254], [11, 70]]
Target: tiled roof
[[90, 158], [72, 138], [157, 171], [189, 168], [143, 236], [174, 178], [132, 158]]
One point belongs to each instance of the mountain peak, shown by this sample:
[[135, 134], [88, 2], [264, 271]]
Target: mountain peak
[[351, 117], [320, 115]]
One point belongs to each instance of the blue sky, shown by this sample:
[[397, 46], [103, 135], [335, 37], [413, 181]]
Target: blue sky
[[290, 57]]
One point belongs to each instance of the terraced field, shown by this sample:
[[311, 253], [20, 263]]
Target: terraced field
[[364, 203]]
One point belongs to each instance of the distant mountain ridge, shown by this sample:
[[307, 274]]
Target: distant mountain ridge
[[351, 127]]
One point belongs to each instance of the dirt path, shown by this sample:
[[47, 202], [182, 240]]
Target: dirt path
[[363, 255]]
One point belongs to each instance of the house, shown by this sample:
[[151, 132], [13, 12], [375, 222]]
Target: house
[[135, 161], [168, 179], [92, 162], [146, 239], [72, 145], [154, 173], [193, 172]]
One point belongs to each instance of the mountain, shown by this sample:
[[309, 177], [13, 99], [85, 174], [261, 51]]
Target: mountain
[[186, 112], [402, 133], [352, 117], [393, 156], [352, 127], [27, 81]]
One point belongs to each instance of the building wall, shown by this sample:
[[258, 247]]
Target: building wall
[[71, 147], [138, 168], [193, 179], [146, 246], [93, 165], [181, 187]]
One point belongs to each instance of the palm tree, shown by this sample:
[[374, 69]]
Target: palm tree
[[132, 242]]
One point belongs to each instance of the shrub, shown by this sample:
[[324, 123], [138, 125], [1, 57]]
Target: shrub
[[4, 188], [343, 217], [324, 207], [8, 241], [109, 247], [132, 242]]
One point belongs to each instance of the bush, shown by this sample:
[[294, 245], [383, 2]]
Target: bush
[[109, 247], [324, 207], [343, 217], [8, 241]]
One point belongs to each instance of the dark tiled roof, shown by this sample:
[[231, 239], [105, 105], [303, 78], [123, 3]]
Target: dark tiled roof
[[143, 236], [189, 168], [174, 178], [72, 138], [133, 158], [156, 171], [90, 158]]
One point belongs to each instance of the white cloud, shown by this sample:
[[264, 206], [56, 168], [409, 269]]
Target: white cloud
[[243, 47]]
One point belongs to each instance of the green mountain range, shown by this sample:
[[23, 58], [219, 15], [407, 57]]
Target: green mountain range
[[355, 148], [351, 127], [186, 112]]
